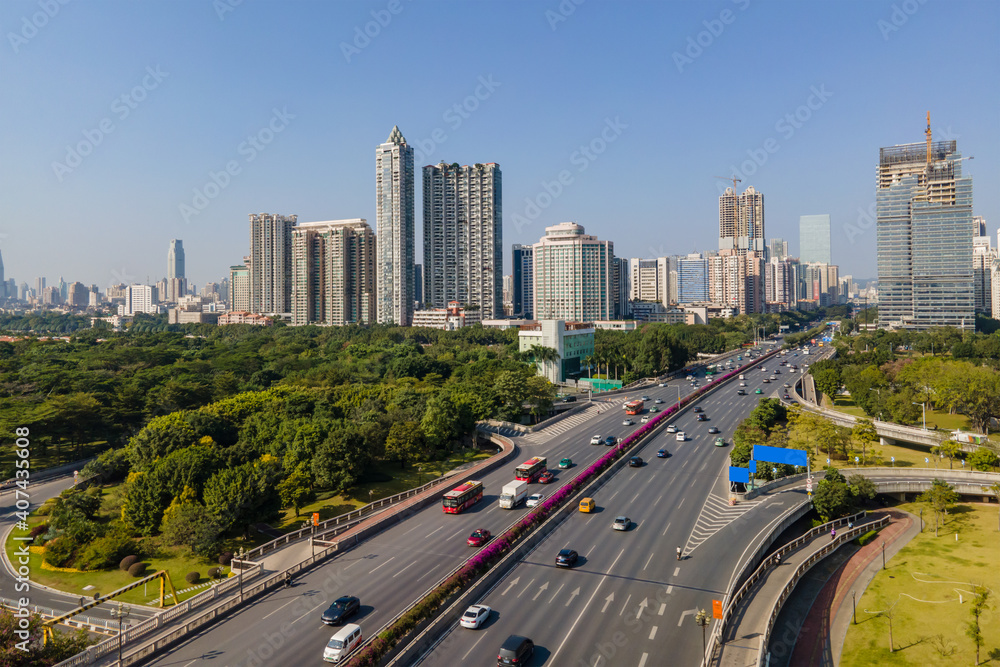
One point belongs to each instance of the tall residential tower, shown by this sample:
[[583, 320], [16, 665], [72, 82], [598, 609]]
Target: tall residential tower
[[271, 263], [395, 230], [333, 273], [574, 275]]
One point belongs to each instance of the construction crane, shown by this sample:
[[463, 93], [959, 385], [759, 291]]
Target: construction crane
[[740, 180], [928, 133]]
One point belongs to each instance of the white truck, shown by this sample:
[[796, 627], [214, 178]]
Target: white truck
[[513, 493]]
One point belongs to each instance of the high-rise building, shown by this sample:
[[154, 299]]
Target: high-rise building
[[522, 270], [463, 237], [779, 284], [418, 284], [79, 295], [63, 290], [271, 263], [741, 221], [979, 226], [175, 260], [239, 286], [395, 229], [924, 229], [573, 275], [39, 287], [650, 280], [333, 273], [777, 249], [621, 288], [692, 279], [814, 239], [138, 299], [983, 258], [508, 295]]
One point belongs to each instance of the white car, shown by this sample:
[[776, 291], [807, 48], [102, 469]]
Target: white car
[[681, 436], [475, 616], [662, 384], [671, 429], [658, 401], [763, 370], [621, 523], [596, 440], [645, 418], [628, 422], [535, 499]]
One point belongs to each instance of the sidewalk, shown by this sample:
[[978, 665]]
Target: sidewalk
[[822, 635], [741, 641]]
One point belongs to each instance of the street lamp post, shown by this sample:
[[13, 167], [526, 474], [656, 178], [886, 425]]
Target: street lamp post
[[678, 399], [120, 612], [701, 618], [240, 554]]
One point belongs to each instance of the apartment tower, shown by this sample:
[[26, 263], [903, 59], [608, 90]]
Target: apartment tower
[[394, 224], [333, 273], [271, 263], [573, 275]]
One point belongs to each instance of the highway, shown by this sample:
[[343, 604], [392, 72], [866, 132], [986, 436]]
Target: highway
[[396, 567], [44, 598], [630, 601]]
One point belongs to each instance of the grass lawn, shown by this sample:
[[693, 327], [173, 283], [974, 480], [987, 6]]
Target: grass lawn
[[924, 581], [396, 480]]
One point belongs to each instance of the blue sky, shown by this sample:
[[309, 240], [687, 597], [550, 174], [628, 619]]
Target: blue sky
[[636, 106]]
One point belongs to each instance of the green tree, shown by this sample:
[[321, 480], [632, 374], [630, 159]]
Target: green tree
[[980, 603], [405, 442], [238, 497], [296, 489], [984, 459], [827, 380], [865, 435], [950, 449], [540, 395], [143, 505], [340, 459], [862, 488], [832, 498], [439, 424], [160, 437], [510, 390], [939, 497], [16, 651]]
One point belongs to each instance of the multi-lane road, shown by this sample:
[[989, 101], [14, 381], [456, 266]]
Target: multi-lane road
[[394, 568], [630, 601]]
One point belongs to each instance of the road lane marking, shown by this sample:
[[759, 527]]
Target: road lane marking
[[677, 570], [280, 608], [392, 558], [584, 610], [510, 586], [648, 559], [592, 547], [652, 632], [670, 590], [306, 614], [481, 635], [608, 600], [572, 595], [634, 497], [683, 614], [526, 588], [433, 531], [681, 503], [552, 599], [625, 605], [404, 569], [666, 529], [658, 500], [663, 608], [615, 494], [642, 660]]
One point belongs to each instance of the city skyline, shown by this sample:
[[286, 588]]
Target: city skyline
[[196, 151]]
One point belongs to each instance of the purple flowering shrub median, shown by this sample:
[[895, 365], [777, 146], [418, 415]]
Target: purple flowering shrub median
[[489, 555]]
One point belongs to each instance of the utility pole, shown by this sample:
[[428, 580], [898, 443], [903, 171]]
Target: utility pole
[[121, 612]]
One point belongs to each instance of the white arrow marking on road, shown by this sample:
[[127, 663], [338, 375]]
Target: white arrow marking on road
[[541, 590], [642, 605], [685, 613], [584, 610], [510, 586], [608, 600], [572, 595]]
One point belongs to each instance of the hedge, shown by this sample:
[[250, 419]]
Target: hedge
[[137, 569], [866, 538], [128, 562], [192, 577], [371, 655]]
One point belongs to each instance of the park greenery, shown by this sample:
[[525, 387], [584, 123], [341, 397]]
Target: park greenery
[[16, 651]]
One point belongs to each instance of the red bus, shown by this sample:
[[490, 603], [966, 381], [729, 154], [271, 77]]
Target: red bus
[[634, 407], [462, 497], [531, 469]]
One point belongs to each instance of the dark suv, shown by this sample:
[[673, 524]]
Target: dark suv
[[341, 609], [515, 651], [566, 558]]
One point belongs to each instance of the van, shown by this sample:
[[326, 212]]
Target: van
[[515, 651], [587, 505], [341, 644]]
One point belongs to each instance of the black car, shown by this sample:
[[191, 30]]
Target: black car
[[567, 558], [702, 417], [787, 397], [697, 408], [741, 392], [662, 454], [341, 609], [516, 650], [569, 399], [635, 462], [610, 441]]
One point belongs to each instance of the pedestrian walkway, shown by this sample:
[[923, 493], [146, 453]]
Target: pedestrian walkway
[[715, 515], [741, 639], [822, 635]]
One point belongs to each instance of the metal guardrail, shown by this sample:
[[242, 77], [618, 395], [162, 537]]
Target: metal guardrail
[[800, 571], [80, 621]]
